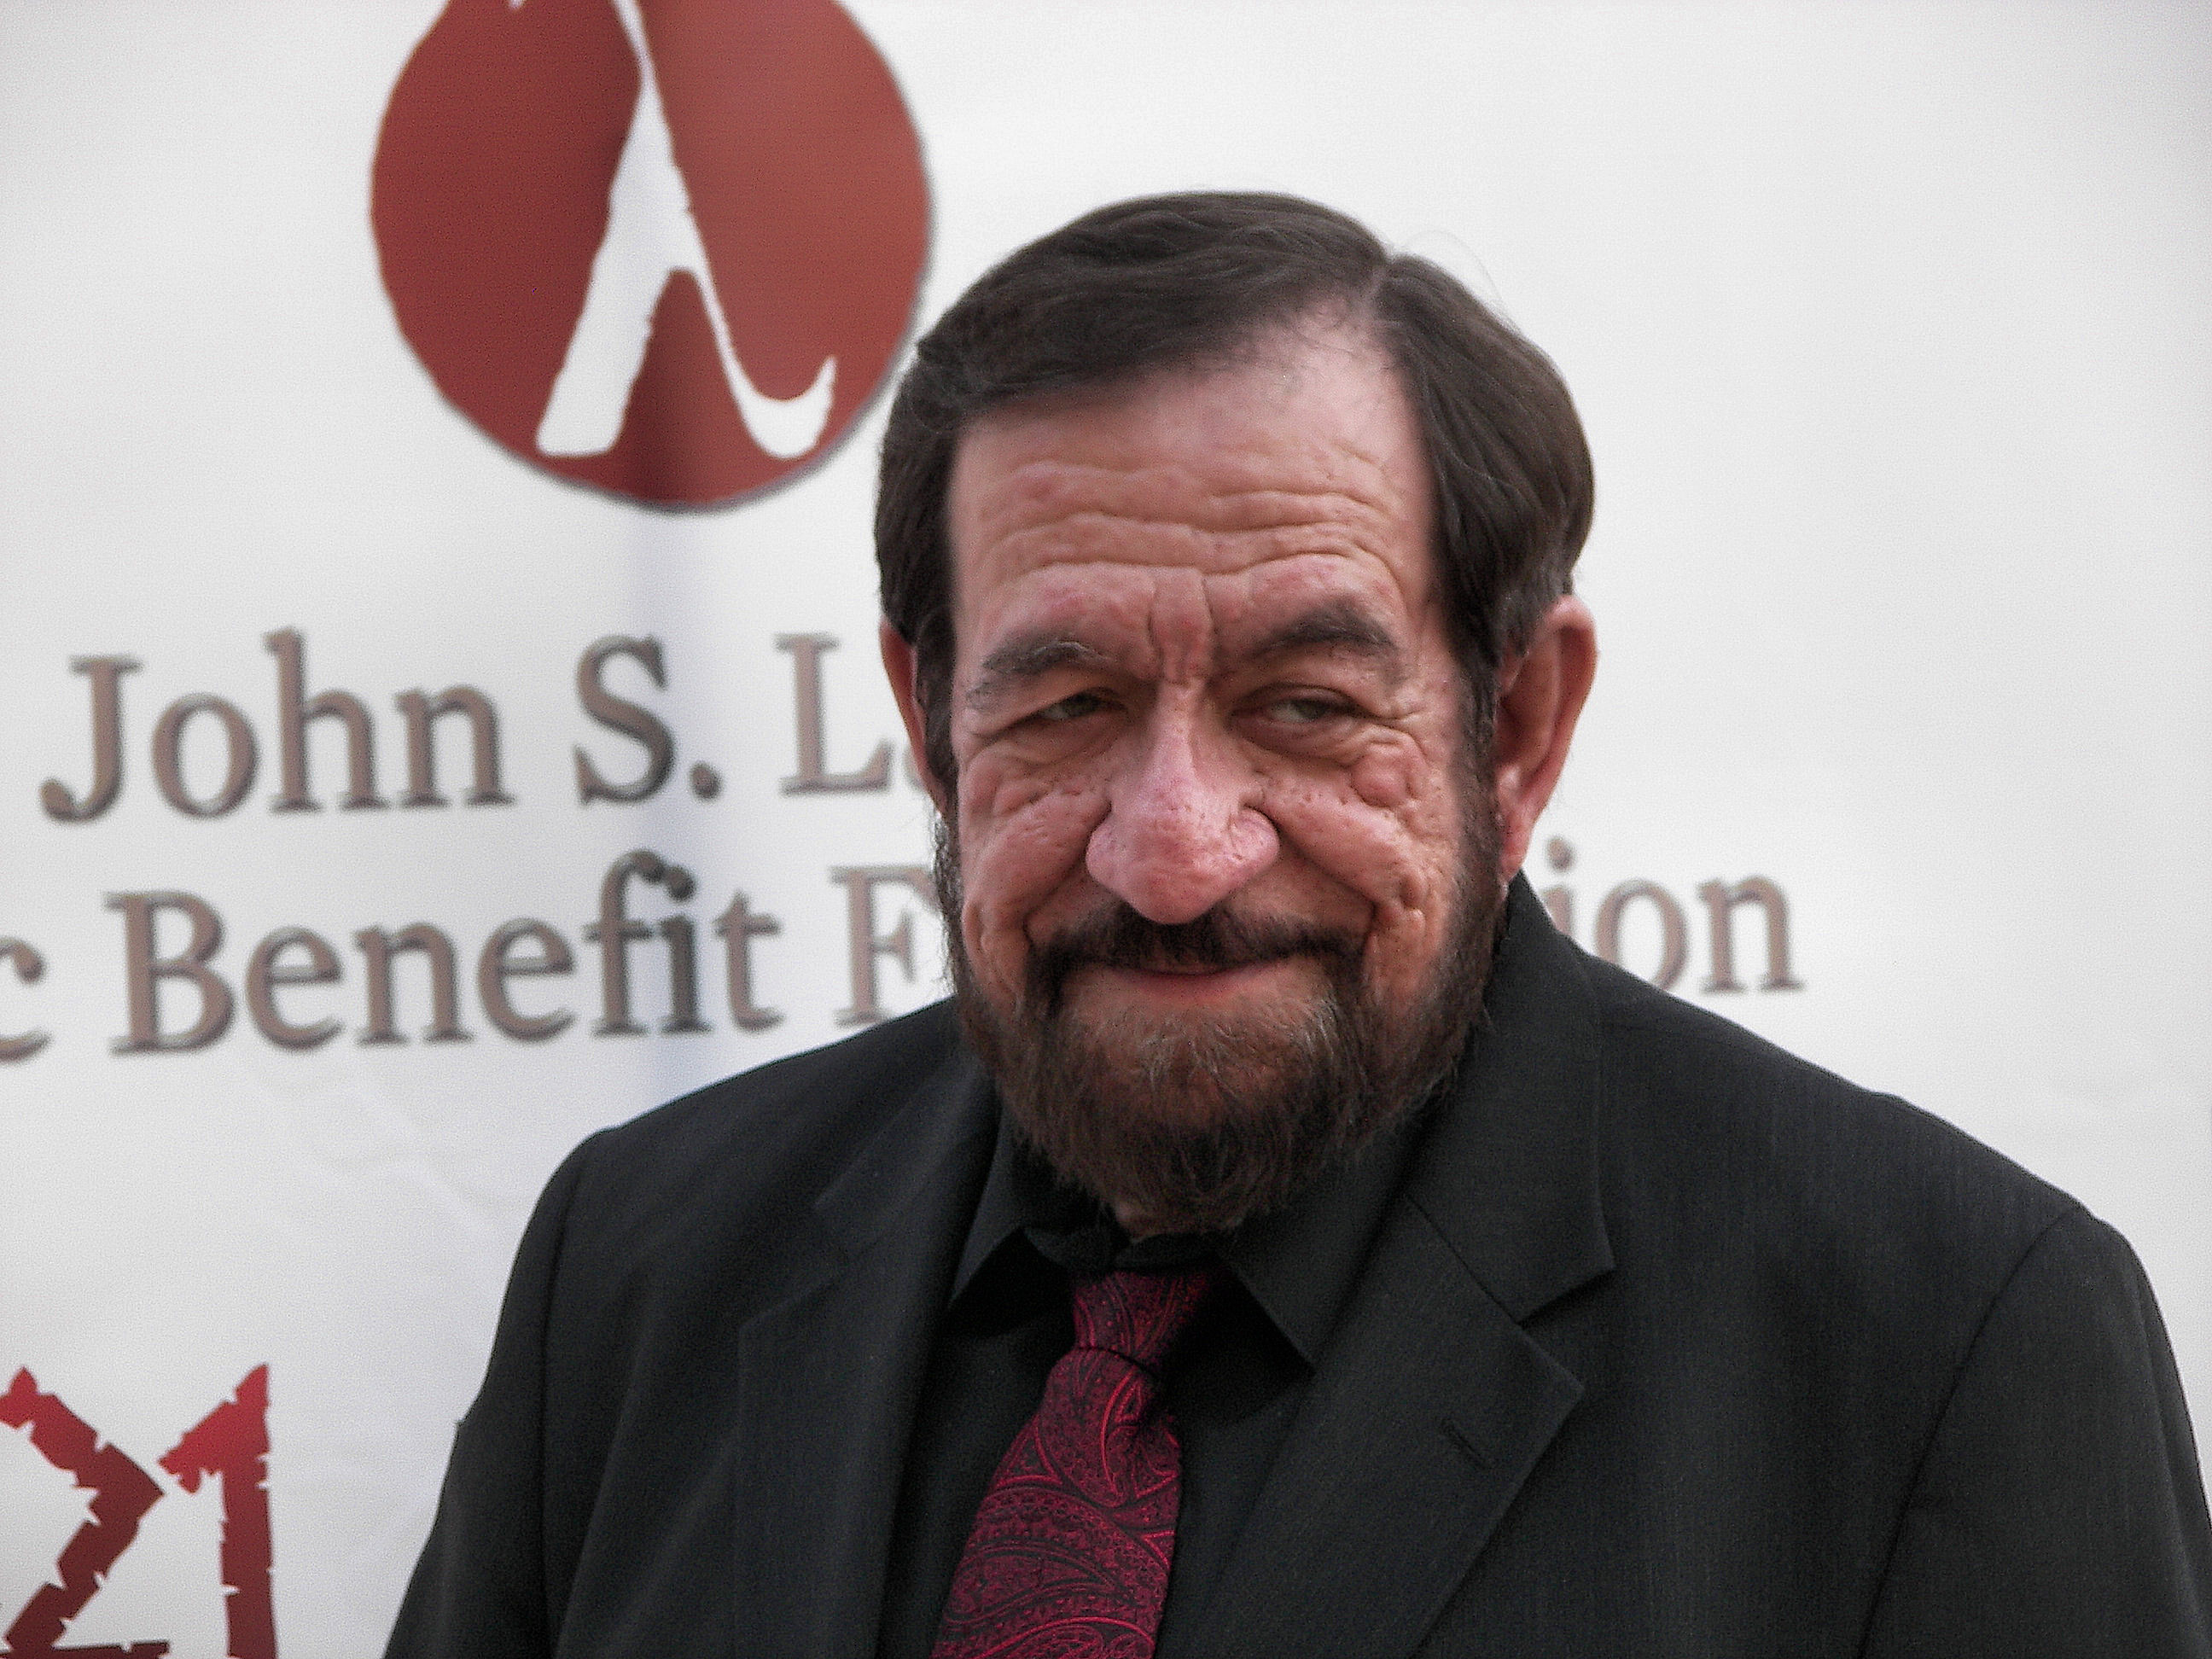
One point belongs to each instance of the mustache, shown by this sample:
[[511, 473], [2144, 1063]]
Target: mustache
[[1118, 936]]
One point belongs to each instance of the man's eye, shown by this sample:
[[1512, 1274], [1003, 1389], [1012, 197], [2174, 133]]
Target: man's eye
[[1072, 709], [1303, 711]]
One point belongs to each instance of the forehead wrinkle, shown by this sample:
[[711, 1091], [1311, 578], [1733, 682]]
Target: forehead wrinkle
[[1040, 495], [1329, 599], [1100, 539]]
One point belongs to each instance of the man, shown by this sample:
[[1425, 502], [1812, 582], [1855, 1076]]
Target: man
[[1289, 1245]]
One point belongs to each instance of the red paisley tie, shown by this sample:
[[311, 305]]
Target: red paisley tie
[[1070, 1552]]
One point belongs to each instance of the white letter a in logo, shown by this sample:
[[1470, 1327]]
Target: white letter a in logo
[[651, 236]]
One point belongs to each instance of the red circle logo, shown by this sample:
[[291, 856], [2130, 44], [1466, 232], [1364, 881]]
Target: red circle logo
[[666, 247]]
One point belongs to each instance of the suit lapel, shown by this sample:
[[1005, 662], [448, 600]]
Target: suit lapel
[[828, 1379], [1399, 1465], [1431, 1404]]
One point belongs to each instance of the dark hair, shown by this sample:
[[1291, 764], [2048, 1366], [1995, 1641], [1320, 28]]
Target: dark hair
[[1189, 279]]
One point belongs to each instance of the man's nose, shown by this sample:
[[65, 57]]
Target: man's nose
[[1183, 829]]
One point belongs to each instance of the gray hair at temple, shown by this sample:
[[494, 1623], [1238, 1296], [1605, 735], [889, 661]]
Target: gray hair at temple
[[1189, 280]]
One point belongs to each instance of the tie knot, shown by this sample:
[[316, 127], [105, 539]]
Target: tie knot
[[1138, 1314]]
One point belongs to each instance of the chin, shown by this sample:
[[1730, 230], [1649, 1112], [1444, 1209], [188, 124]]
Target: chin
[[1198, 1066], [1200, 1119]]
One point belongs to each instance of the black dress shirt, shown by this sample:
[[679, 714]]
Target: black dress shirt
[[1234, 1386]]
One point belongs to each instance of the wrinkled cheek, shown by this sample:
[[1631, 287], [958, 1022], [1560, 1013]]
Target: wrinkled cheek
[[1385, 780], [1017, 851], [1401, 859], [1403, 949], [1411, 939]]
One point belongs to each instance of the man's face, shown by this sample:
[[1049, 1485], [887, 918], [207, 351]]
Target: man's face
[[1212, 805]]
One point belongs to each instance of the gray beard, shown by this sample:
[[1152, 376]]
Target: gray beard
[[1201, 1126]]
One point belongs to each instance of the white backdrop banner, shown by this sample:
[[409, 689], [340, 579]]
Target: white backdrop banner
[[437, 617]]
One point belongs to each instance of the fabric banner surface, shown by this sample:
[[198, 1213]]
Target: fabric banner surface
[[438, 645]]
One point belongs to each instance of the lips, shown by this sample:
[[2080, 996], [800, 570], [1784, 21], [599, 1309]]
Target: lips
[[1186, 969], [1190, 970], [1215, 943]]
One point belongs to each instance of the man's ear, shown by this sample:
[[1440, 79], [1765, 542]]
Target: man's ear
[[1539, 697], [899, 666]]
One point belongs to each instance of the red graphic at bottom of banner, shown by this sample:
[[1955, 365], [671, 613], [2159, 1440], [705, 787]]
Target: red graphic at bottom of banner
[[121, 1491], [230, 1443]]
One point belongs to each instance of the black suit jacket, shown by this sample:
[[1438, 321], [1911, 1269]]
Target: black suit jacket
[[1671, 1345]]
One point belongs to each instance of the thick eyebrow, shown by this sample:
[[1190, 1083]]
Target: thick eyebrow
[[1025, 658], [1337, 626]]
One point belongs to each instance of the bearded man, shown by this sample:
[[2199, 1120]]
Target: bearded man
[[1287, 1243]]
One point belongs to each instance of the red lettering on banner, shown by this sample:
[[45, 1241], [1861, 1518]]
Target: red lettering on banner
[[231, 1443], [121, 1491]]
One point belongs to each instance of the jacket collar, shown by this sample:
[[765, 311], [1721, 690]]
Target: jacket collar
[[1509, 1176]]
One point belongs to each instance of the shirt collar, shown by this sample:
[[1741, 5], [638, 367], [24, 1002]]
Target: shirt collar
[[1017, 1193], [1299, 1264]]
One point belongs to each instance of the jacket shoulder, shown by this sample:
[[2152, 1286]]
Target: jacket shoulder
[[744, 1158], [841, 1089], [1707, 1117]]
